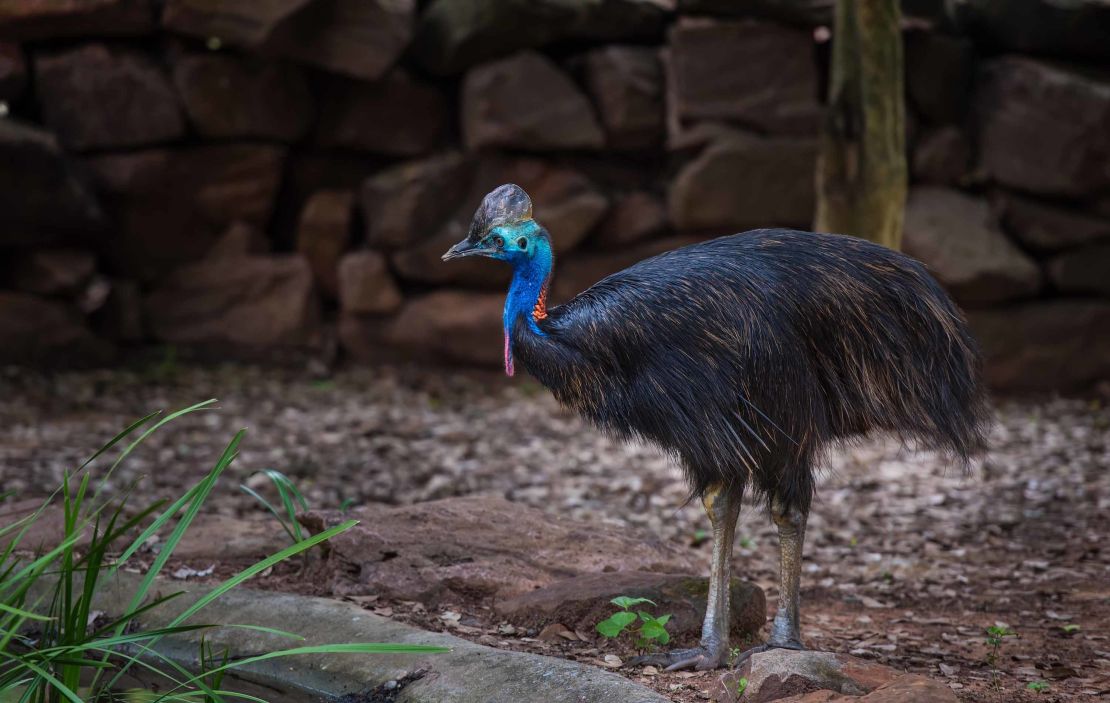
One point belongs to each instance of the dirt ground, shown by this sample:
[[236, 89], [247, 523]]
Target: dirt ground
[[908, 560]]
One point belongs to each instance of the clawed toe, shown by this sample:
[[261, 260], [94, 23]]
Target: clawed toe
[[746, 654], [699, 658]]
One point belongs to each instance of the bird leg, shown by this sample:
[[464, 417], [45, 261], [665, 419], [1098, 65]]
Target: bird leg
[[723, 508], [785, 629]]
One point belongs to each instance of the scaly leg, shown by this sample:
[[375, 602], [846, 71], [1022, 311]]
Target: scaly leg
[[786, 629], [723, 509]]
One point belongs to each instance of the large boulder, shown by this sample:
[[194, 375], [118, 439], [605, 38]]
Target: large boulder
[[36, 331], [456, 34], [786, 675], [246, 24], [942, 156], [323, 233], [939, 72], [808, 13], [13, 71], [526, 102], [581, 602], [634, 216], [52, 272], [228, 96], [1071, 29], [94, 97], [239, 240], [956, 236], [1082, 270], [1043, 127], [742, 181], [449, 325], [366, 287], [478, 548], [410, 202], [170, 206], [1045, 227], [396, 116], [1061, 345], [27, 20], [360, 39], [626, 83], [776, 91], [42, 195], [253, 301]]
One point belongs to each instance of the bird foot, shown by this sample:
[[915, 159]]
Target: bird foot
[[770, 644], [699, 658]]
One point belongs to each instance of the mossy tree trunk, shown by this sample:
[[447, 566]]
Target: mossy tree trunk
[[861, 169]]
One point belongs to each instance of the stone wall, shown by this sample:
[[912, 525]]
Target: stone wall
[[278, 175]]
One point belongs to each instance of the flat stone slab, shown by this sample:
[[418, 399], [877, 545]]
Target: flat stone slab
[[469, 673], [788, 676], [583, 601], [476, 548]]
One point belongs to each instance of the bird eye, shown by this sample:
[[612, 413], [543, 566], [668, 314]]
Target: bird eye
[[498, 241], [522, 243]]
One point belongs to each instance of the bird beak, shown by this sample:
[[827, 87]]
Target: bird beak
[[465, 248]]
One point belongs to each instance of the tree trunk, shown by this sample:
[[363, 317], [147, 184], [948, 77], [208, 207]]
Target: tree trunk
[[861, 169]]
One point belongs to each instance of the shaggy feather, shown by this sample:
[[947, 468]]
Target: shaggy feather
[[746, 356]]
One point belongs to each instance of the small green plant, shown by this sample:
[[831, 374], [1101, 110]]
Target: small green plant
[[291, 498], [995, 636], [652, 630], [700, 538], [1037, 686], [733, 654], [1070, 629], [741, 686], [346, 505]]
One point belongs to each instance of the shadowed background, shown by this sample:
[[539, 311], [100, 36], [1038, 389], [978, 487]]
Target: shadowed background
[[280, 177]]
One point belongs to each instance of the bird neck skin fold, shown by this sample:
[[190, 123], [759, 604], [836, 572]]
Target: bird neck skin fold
[[527, 295]]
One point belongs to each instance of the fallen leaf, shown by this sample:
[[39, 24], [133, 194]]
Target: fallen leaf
[[554, 631], [613, 661], [450, 618]]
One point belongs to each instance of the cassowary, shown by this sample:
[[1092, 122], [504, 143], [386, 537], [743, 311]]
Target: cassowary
[[744, 357]]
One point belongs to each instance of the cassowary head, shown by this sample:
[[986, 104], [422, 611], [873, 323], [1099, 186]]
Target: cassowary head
[[503, 229]]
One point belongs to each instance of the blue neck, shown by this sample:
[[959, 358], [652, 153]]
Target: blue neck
[[530, 276]]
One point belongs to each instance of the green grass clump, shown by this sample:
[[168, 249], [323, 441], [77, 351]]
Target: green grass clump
[[55, 648]]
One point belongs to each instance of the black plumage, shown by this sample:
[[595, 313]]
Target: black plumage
[[745, 356]]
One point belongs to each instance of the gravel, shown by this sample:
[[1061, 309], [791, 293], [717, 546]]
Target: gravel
[[896, 536]]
